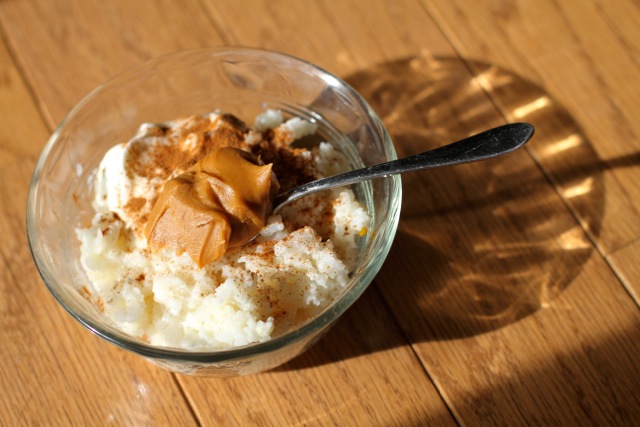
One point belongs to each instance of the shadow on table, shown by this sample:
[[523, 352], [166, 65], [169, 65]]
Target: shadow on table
[[591, 383], [482, 245]]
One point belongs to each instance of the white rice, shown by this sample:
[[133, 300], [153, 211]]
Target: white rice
[[283, 279]]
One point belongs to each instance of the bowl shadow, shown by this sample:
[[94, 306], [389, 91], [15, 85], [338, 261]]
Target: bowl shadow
[[482, 245]]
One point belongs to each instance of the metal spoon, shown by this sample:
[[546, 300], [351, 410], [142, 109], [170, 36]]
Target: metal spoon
[[491, 143]]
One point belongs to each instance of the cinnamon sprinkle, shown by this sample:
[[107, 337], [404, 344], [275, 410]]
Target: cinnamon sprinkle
[[182, 143], [289, 164]]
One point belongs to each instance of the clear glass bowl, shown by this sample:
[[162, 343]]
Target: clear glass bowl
[[240, 81]]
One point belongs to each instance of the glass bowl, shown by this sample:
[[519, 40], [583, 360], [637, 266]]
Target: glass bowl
[[243, 82]]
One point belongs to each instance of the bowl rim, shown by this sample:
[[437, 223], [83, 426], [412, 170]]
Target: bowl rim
[[310, 328]]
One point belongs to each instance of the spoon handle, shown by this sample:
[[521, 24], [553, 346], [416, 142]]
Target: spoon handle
[[485, 145]]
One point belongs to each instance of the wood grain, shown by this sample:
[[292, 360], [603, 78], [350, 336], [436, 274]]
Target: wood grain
[[78, 45], [496, 276], [335, 35], [597, 78], [503, 300]]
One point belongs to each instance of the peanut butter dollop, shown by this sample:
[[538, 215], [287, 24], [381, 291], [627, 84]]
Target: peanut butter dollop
[[220, 203]]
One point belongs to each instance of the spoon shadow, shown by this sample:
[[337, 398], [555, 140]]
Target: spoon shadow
[[478, 246]]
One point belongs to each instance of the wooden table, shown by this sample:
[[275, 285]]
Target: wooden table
[[511, 294]]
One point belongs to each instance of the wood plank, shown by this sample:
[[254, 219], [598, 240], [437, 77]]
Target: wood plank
[[567, 364], [361, 373], [77, 45], [585, 54], [340, 42], [53, 372], [514, 313], [408, 387], [491, 277], [393, 373], [625, 262], [517, 320], [265, 25]]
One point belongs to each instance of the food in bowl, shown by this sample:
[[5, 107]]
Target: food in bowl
[[187, 83], [170, 254]]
